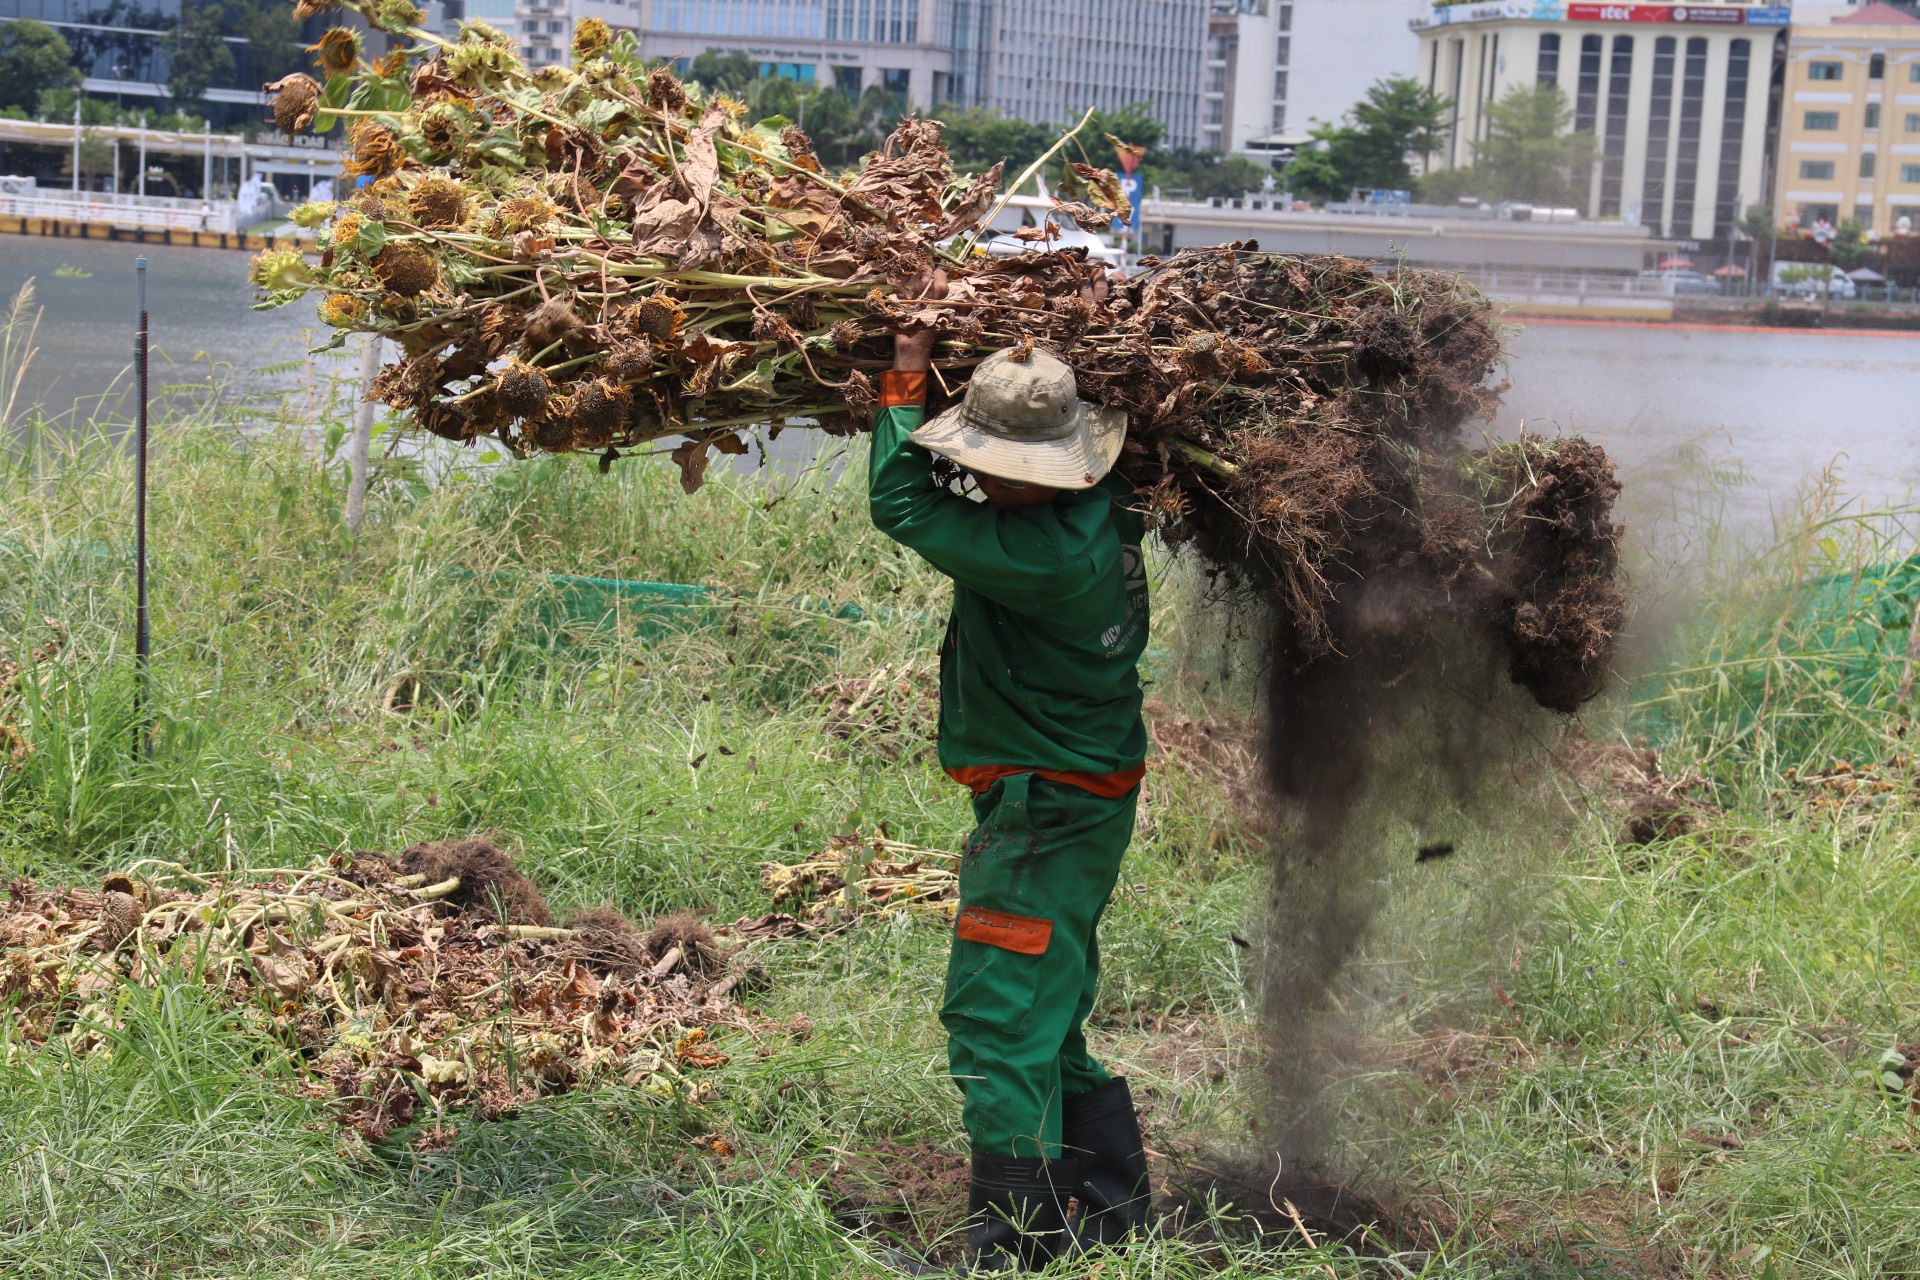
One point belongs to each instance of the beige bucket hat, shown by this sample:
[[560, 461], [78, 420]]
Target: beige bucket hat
[[1025, 422]]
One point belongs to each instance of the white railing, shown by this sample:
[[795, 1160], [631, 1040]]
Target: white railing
[[151, 213], [1535, 284]]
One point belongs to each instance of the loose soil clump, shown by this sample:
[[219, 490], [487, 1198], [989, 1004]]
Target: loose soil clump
[[402, 987]]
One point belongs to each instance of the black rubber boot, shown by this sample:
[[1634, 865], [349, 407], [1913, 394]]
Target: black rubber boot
[[1017, 1213], [1100, 1130]]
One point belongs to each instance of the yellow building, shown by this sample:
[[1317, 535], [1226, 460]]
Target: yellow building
[[1850, 121]]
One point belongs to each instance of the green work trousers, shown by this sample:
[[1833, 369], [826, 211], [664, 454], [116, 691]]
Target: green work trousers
[[1035, 878]]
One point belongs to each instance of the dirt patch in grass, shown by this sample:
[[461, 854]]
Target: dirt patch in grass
[[909, 1195]]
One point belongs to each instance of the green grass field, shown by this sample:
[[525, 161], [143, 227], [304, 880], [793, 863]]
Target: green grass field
[[1563, 1055]]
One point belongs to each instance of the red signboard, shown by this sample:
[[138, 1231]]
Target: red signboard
[[1619, 13]]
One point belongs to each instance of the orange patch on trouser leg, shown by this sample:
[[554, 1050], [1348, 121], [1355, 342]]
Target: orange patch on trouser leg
[[1023, 934]]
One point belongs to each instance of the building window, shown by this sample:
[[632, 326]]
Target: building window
[[1215, 111], [1279, 117], [895, 81], [1280, 84], [1910, 173], [1283, 51], [1913, 122], [1863, 214], [847, 81], [1216, 79], [1823, 71], [1873, 115], [1686, 160], [1812, 213], [1877, 67], [1817, 170], [1659, 129], [1913, 73], [1547, 70], [1614, 151], [555, 28], [1286, 17], [1822, 121], [1907, 213], [1586, 102], [1869, 161]]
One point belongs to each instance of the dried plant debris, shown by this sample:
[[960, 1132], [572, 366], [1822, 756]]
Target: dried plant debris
[[855, 878], [595, 257], [403, 987]]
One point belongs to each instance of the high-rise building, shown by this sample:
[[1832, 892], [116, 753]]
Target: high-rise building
[[1679, 97], [1049, 60], [1040, 60], [904, 46], [1850, 120], [1243, 99], [1340, 48]]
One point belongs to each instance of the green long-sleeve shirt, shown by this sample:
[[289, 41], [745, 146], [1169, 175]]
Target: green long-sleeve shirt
[[1040, 666]]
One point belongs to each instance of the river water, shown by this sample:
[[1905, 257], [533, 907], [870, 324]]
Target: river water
[[1783, 404]]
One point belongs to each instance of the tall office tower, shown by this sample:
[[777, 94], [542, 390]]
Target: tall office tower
[[1243, 99], [853, 45], [1049, 60], [1341, 47], [1679, 97]]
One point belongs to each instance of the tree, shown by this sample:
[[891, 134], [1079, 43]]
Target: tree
[[979, 138], [198, 57], [96, 157], [1206, 174], [729, 73], [1531, 154], [1850, 248], [34, 58], [1373, 145]]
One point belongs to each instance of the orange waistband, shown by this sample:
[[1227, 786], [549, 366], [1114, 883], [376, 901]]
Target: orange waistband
[[1108, 786]]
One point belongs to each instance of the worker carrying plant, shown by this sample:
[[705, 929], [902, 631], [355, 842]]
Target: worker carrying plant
[[1040, 717]]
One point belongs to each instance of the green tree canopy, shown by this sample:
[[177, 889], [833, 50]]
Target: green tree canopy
[[1531, 153], [34, 58], [1375, 143]]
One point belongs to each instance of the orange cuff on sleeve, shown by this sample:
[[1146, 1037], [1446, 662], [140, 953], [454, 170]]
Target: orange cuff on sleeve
[[900, 389]]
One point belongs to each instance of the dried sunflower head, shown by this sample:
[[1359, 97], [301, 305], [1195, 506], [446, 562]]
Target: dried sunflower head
[[523, 390], [845, 335], [375, 150], [294, 99], [337, 51], [483, 57], [395, 16], [341, 310], [312, 213], [304, 9], [597, 410], [525, 213], [444, 128], [438, 203], [629, 361], [591, 36], [658, 316], [392, 66], [554, 78], [280, 270], [664, 90], [406, 269]]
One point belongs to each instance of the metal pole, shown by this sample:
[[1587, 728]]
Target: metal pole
[[361, 447], [76, 145], [206, 174], [142, 635], [143, 156]]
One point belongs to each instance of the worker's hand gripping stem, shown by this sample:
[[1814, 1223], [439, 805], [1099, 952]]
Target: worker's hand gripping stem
[[913, 345]]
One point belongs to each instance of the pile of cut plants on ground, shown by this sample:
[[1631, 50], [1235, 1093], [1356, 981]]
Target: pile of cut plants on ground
[[596, 257], [403, 987]]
